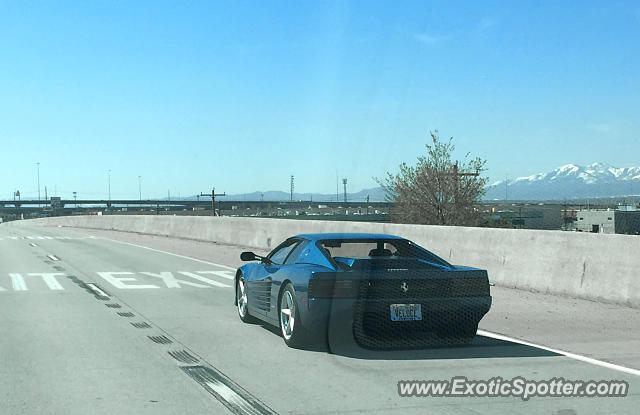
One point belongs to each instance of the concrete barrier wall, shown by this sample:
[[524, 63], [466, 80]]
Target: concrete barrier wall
[[592, 266]]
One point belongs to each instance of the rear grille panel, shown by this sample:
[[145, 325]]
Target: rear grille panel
[[441, 314]]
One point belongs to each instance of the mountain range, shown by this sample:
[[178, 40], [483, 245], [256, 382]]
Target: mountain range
[[375, 194], [570, 181]]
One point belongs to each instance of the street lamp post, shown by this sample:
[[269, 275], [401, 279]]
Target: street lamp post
[[75, 199], [38, 164], [109, 181]]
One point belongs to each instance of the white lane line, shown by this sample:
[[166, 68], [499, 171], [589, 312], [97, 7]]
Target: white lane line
[[53, 258], [32, 244], [97, 290], [170, 253], [18, 282], [570, 355]]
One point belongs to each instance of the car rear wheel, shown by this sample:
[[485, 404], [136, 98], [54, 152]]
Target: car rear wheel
[[241, 301], [290, 325]]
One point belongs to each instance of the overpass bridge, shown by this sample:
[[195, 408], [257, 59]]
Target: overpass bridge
[[103, 202]]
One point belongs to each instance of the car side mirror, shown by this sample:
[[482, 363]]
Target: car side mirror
[[248, 256]]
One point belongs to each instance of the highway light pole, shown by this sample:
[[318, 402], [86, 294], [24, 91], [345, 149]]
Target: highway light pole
[[109, 181], [344, 183], [140, 187], [292, 188], [38, 164]]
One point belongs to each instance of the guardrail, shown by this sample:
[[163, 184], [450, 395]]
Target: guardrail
[[592, 266]]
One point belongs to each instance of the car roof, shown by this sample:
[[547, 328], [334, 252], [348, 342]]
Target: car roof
[[323, 236]]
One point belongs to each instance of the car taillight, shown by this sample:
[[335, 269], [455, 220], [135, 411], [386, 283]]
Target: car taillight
[[332, 289]]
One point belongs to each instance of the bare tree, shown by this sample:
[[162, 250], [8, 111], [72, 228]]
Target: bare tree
[[436, 191]]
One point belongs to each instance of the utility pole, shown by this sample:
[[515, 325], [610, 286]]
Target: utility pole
[[109, 181], [140, 187], [292, 188], [457, 178], [75, 198], [344, 183], [213, 200], [367, 204], [45, 194]]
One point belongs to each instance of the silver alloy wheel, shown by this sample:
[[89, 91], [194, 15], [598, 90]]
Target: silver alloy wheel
[[241, 297], [287, 314]]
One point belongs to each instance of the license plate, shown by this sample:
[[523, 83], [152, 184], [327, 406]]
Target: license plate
[[406, 312]]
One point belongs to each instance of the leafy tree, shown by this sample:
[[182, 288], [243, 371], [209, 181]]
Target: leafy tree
[[437, 190]]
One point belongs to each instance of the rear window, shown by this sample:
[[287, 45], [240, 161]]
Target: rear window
[[340, 249]]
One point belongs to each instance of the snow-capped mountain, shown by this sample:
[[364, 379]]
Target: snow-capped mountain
[[570, 181]]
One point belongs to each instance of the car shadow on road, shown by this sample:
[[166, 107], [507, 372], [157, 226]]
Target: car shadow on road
[[481, 347]]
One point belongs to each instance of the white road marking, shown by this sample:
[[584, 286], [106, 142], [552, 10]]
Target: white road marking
[[53, 258], [32, 244], [170, 253], [2, 289], [18, 282], [223, 274], [203, 279], [97, 290], [581, 358], [171, 281], [117, 282], [49, 279]]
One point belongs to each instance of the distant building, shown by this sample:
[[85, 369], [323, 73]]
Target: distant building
[[529, 219], [624, 220]]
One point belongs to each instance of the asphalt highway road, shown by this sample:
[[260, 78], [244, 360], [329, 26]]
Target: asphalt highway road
[[118, 323]]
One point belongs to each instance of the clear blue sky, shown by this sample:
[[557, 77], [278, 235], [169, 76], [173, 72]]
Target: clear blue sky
[[243, 94]]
